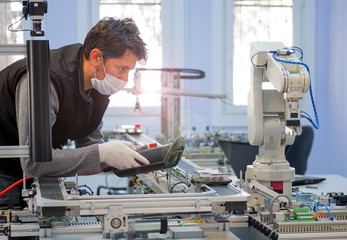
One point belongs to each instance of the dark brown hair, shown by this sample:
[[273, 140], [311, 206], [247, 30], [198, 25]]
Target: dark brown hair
[[113, 37]]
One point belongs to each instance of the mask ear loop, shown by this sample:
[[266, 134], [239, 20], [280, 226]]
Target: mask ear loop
[[94, 72], [103, 66]]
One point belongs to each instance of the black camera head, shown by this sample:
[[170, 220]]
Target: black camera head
[[35, 9]]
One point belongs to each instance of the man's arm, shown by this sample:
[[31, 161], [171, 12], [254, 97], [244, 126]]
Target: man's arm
[[64, 163]]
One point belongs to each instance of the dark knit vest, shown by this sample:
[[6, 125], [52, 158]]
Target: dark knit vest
[[79, 113]]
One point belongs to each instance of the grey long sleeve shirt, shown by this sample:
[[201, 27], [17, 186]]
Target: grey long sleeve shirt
[[66, 162]]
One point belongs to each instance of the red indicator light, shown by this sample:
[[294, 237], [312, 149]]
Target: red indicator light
[[153, 145]]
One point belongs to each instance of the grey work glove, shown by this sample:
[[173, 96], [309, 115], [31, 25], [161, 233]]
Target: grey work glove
[[120, 155]]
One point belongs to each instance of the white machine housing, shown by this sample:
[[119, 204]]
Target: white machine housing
[[274, 114]]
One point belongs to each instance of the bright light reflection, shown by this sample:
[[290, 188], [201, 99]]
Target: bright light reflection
[[148, 21]]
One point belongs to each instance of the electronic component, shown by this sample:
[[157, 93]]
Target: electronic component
[[35, 9], [220, 176], [186, 232], [301, 215], [339, 198]]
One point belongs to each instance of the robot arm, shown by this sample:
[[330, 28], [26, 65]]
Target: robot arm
[[274, 113], [290, 82]]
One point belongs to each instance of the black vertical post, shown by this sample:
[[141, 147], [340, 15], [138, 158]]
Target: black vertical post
[[40, 130]]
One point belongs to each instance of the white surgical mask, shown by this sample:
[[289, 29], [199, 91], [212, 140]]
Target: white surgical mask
[[109, 85]]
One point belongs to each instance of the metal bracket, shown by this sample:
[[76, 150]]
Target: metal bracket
[[115, 222]]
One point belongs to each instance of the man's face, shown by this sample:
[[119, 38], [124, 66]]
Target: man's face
[[120, 67]]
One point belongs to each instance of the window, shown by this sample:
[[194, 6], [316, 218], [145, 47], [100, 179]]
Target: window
[[147, 16], [257, 20], [10, 12]]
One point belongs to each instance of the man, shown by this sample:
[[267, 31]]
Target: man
[[82, 79]]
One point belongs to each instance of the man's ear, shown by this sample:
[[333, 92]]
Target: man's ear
[[95, 57]]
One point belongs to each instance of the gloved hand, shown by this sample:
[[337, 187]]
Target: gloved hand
[[120, 155]]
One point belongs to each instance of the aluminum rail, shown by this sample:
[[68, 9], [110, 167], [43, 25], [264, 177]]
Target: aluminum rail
[[182, 93], [14, 151], [13, 49]]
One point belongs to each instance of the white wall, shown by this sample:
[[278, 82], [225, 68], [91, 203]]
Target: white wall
[[61, 23], [330, 152]]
